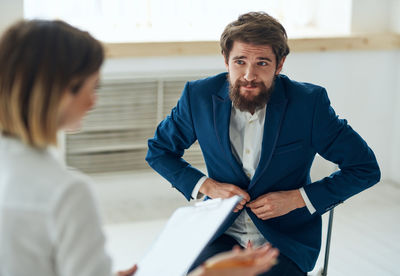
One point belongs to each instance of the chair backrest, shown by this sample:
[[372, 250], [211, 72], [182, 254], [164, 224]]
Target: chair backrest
[[322, 168], [328, 244]]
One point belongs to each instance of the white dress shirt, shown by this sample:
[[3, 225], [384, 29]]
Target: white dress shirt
[[246, 135], [49, 221]]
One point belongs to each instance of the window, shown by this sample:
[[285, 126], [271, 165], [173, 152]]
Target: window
[[189, 20]]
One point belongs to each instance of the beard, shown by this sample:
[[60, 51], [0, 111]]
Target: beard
[[253, 103]]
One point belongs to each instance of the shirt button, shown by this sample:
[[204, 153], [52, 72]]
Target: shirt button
[[248, 175], [247, 151]]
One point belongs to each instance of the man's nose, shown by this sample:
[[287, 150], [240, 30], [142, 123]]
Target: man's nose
[[250, 74]]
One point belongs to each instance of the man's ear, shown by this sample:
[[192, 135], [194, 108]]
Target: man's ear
[[280, 66]]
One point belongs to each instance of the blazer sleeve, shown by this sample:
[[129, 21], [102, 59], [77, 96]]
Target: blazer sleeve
[[337, 142], [173, 136]]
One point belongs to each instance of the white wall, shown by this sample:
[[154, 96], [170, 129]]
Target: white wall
[[362, 85], [162, 65], [395, 16], [396, 127], [10, 11], [371, 16]]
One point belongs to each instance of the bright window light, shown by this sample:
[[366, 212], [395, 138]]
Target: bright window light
[[189, 20]]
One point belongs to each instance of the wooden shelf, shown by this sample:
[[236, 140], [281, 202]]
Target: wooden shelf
[[108, 148], [380, 41]]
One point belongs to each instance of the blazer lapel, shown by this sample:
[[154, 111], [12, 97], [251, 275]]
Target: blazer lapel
[[222, 106], [273, 120]]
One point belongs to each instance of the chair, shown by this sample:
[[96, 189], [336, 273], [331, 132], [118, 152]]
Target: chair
[[324, 270], [321, 168]]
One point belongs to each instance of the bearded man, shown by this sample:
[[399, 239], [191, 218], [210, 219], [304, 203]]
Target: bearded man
[[259, 132]]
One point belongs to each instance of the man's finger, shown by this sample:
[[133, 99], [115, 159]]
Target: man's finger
[[254, 205], [241, 192], [259, 213], [246, 197], [263, 214], [262, 208], [267, 215], [239, 206], [259, 202]]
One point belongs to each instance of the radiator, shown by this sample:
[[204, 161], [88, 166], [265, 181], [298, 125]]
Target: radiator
[[114, 134]]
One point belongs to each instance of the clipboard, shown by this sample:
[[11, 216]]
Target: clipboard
[[184, 237]]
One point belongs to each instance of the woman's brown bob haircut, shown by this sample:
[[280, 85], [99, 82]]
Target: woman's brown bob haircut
[[39, 61], [257, 28]]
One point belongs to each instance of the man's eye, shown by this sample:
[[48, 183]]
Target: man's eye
[[263, 63], [239, 61]]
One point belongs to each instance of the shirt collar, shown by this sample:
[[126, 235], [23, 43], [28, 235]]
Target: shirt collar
[[245, 115]]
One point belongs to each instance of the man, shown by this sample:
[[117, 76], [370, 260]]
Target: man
[[259, 132]]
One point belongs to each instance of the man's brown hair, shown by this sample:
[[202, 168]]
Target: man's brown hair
[[256, 28], [39, 61]]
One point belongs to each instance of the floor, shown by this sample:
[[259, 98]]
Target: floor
[[365, 237]]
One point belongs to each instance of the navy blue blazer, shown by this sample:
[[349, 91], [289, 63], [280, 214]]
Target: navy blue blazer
[[299, 123]]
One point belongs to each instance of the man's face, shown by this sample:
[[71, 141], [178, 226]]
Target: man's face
[[252, 70]]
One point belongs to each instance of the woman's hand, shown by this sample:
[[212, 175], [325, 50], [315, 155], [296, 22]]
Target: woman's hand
[[128, 272], [246, 262]]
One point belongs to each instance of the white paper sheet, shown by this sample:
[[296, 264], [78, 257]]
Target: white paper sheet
[[185, 235]]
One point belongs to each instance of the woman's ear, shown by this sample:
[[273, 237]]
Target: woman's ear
[[65, 104]]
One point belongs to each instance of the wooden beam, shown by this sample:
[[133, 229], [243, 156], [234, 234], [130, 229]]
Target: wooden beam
[[383, 41]]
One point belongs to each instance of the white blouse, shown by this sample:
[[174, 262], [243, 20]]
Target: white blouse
[[49, 221]]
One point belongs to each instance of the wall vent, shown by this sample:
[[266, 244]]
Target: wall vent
[[114, 134]]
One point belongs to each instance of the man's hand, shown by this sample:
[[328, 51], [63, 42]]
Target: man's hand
[[214, 189], [276, 204]]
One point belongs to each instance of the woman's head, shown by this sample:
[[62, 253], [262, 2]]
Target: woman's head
[[44, 67]]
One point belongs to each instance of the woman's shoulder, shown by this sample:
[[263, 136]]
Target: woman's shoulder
[[34, 179]]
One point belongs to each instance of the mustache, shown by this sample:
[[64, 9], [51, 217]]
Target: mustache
[[252, 84]]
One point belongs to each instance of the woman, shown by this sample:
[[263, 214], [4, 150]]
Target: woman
[[49, 222]]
